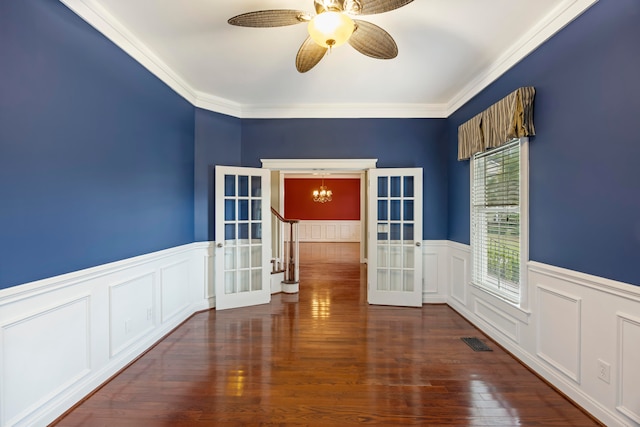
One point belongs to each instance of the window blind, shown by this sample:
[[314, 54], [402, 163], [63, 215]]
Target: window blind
[[495, 220]]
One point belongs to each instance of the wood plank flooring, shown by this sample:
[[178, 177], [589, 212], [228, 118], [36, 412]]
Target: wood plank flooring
[[325, 357]]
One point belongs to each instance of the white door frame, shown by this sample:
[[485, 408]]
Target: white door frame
[[335, 167]]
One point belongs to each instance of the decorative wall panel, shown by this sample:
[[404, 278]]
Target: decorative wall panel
[[559, 331], [459, 278], [174, 281], [131, 311], [504, 323], [629, 368], [329, 231], [42, 355], [430, 272], [63, 336]]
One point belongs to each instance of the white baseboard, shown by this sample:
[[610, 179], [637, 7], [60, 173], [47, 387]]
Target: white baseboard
[[64, 336]]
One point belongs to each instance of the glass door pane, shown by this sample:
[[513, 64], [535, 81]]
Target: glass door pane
[[242, 274], [395, 268]]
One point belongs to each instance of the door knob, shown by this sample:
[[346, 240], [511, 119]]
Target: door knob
[[418, 244], [219, 245]]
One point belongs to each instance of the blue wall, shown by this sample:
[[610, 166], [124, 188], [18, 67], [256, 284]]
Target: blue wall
[[394, 142], [224, 140], [217, 142], [584, 176], [100, 161], [96, 154]]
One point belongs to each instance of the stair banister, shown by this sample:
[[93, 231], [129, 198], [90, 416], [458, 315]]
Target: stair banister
[[288, 248]]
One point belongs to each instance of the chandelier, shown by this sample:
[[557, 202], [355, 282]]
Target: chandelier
[[323, 195]]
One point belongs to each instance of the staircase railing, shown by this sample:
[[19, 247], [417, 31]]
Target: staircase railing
[[286, 253]]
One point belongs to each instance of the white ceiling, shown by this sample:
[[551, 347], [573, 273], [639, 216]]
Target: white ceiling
[[448, 51]]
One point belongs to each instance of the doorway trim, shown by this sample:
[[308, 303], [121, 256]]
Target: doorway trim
[[306, 165], [310, 166]]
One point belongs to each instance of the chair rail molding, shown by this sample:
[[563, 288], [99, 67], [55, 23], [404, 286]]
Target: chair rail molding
[[64, 336]]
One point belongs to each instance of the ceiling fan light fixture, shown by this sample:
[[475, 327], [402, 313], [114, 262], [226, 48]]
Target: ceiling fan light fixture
[[331, 26], [331, 29]]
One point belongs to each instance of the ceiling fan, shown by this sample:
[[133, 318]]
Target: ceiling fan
[[330, 27]]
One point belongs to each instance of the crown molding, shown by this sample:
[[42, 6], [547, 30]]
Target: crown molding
[[555, 21], [98, 17], [110, 27], [219, 105], [345, 111]]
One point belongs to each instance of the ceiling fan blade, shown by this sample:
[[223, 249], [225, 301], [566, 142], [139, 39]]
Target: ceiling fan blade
[[309, 55], [373, 41], [370, 7], [270, 18]]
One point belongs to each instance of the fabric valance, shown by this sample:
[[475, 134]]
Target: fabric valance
[[509, 118], [470, 138]]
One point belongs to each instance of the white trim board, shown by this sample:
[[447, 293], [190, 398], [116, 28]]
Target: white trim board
[[309, 165]]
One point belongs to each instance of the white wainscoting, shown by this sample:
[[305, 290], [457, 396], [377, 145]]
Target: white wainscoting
[[329, 231], [62, 337], [435, 271], [558, 331], [574, 321], [628, 366]]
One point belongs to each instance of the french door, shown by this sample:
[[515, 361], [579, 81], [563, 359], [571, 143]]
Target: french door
[[243, 237], [395, 237]]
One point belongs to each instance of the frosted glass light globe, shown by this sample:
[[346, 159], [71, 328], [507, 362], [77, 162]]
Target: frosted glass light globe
[[331, 29]]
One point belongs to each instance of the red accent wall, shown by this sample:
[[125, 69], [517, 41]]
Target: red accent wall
[[299, 204]]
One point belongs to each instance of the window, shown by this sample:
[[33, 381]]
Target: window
[[499, 219]]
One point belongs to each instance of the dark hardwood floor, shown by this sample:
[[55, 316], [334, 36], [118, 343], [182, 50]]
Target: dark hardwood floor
[[325, 357]]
